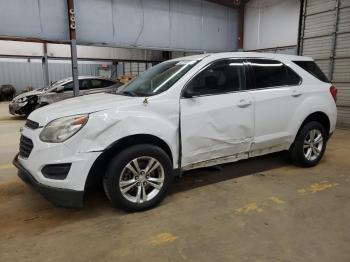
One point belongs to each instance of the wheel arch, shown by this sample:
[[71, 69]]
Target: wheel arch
[[320, 117], [99, 167]]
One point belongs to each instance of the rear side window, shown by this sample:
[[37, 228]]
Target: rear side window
[[106, 83], [271, 73], [312, 68], [96, 83], [84, 84], [69, 86]]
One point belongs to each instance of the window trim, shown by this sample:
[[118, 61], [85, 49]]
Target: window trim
[[251, 73], [242, 86]]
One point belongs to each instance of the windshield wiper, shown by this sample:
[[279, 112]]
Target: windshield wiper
[[126, 92]]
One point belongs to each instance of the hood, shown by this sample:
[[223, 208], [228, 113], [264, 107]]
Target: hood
[[79, 105], [29, 93]]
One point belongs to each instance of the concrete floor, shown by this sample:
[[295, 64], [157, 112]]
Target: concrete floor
[[262, 209]]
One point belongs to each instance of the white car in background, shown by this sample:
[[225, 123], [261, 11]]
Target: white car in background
[[25, 103], [181, 114]]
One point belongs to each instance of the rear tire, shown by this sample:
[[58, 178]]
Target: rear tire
[[309, 145], [138, 178]]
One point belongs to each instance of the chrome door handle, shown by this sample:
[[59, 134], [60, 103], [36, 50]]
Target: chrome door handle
[[244, 103]]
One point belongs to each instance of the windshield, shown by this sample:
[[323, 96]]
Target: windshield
[[56, 83], [157, 79]]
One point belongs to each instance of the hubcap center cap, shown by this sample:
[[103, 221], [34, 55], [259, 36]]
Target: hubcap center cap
[[142, 176]]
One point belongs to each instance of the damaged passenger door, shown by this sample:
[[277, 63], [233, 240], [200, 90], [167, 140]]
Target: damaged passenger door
[[216, 114]]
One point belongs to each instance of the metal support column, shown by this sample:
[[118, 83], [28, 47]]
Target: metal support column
[[334, 41], [301, 25], [45, 65], [302, 29], [73, 46], [240, 27]]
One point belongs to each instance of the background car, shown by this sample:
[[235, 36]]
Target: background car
[[25, 103]]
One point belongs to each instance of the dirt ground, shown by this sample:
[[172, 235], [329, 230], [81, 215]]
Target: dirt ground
[[263, 209]]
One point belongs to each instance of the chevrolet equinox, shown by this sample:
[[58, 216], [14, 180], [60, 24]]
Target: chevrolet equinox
[[181, 114]]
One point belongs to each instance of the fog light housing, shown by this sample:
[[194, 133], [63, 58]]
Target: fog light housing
[[56, 171]]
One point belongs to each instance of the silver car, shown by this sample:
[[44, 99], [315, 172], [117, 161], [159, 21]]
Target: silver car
[[25, 103]]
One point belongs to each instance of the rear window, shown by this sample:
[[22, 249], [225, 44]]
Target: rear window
[[271, 73], [312, 68]]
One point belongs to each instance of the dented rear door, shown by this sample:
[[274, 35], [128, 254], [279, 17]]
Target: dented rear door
[[218, 120]]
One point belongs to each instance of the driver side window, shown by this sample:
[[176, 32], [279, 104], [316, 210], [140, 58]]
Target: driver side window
[[223, 76]]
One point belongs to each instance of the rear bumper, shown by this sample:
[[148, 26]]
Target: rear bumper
[[58, 196]]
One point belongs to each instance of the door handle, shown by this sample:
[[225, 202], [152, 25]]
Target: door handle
[[244, 103], [296, 93]]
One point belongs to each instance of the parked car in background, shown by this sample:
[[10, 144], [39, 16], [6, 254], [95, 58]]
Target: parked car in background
[[181, 114], [25, 103]]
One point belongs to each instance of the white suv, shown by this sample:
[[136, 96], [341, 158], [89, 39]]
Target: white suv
[[181, 114]]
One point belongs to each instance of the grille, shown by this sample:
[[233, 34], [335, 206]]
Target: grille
[[32, 124], [25, 146]]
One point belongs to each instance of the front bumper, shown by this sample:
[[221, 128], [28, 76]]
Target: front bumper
[[16, 109], [58, 196], [12, 108]]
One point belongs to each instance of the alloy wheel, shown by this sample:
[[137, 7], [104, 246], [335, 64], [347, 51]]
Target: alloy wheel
[[141, 179], [313, 144]]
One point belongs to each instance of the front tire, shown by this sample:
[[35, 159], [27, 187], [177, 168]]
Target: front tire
[[138, 178], [309, 145]]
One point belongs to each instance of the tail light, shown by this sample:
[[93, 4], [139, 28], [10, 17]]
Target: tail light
[[334, 92]]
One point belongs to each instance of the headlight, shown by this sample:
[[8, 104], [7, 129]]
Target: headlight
[[61, 129], [22, 99]]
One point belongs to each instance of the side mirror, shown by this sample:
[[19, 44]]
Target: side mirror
[[59, 89]]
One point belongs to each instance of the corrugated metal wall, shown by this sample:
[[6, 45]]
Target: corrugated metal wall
[[153, 24], [270, 24], [23, 73], [59, 69], [134, 68], [325, 36]]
